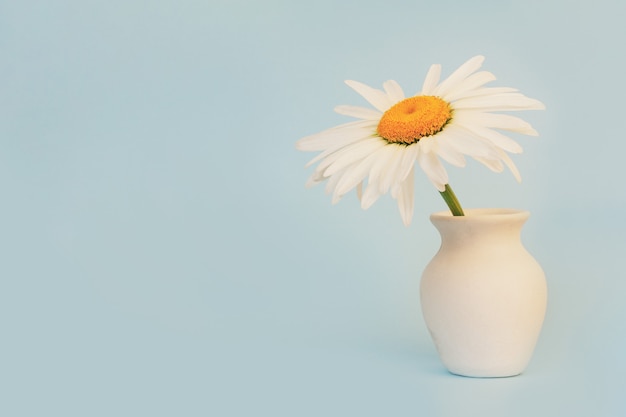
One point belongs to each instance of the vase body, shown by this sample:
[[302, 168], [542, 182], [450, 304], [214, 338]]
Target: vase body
[[483, 295]]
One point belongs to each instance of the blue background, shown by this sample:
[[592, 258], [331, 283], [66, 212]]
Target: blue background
[[161, 256]]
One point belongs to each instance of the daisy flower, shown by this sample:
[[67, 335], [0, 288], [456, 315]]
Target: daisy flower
[[447, 120]]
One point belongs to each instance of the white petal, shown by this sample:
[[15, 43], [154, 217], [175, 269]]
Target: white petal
[[394, 91], [359, 112], [338, 145], [356, 174], [509, 163], [331, 187], [331, 184], [384, 155], [479, 92], [359, 190], [389, 175], [459, 75], [431, 80], [314, 179], [470, 83], [357, 153], [356, 124], [405, 198], [449, 152], [428, 144], [493, 164], [370, 195], [465, 142], [321, 141], [395, 189], [376, 98], [496, 121], [346, 150], [500, 102], [408, 161], [498, 139], [436, 173]]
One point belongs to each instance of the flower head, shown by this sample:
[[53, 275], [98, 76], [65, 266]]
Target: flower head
[[447, 120]]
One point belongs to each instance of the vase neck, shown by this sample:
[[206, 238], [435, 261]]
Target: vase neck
[[495, 225]]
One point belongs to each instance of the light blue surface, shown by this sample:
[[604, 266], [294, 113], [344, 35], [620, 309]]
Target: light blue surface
[[161, 256]]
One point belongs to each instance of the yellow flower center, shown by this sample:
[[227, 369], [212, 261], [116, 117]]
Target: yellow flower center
[[414, 118]]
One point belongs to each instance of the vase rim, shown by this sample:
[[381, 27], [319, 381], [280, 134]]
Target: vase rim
[[481, 212]]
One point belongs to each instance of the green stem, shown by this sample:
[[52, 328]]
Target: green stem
[[452, 201]]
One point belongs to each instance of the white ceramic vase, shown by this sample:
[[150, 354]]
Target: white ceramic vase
[[483, 295]]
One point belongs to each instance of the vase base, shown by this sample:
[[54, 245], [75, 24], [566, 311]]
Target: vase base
[[485, 376]]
